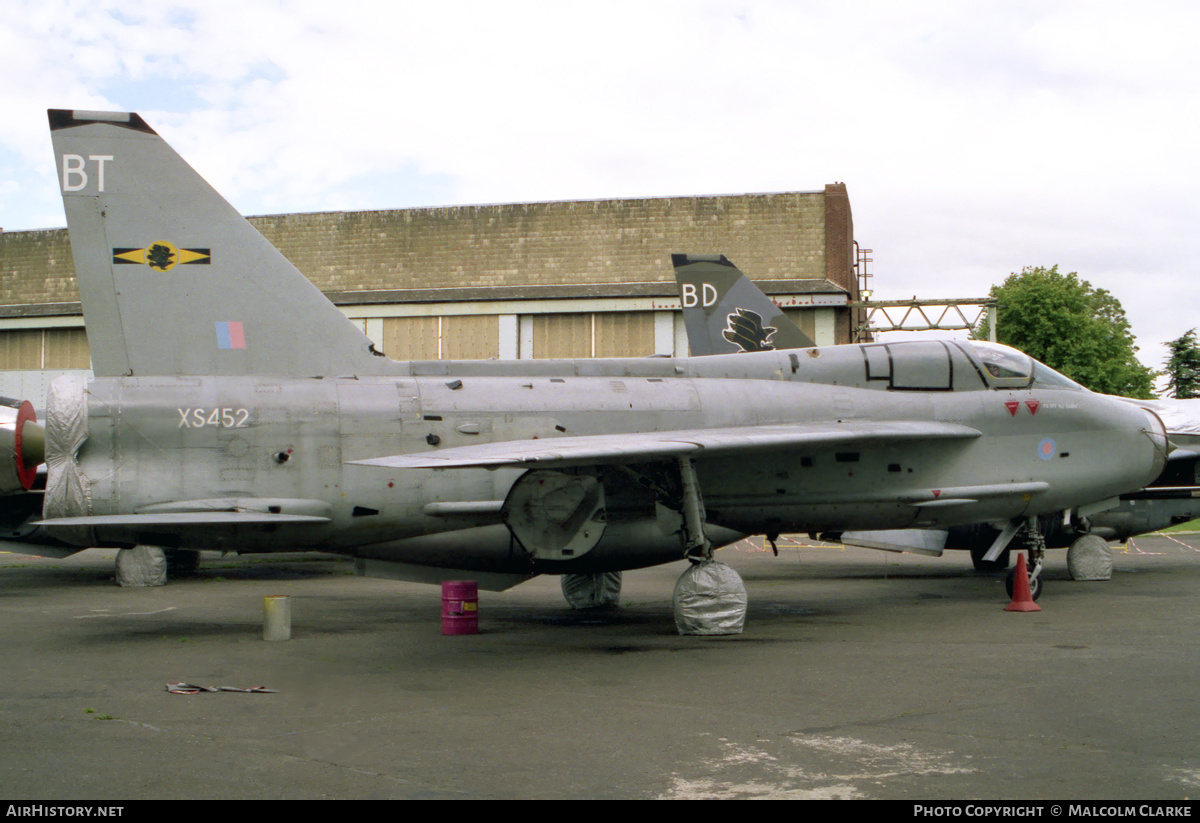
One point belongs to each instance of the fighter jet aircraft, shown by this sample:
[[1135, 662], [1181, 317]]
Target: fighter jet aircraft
[[716, 296], [234, 407]]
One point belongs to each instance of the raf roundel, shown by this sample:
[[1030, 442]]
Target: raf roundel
[[1045, 449]]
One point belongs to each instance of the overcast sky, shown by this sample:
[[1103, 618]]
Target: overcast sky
[[975, 138]]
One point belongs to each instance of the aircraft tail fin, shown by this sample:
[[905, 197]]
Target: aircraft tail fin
[[723, 312], [172, 278]]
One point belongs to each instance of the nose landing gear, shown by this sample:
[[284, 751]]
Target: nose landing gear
[[1035, 545]]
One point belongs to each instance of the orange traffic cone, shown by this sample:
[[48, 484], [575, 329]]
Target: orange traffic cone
[[1022, 601]]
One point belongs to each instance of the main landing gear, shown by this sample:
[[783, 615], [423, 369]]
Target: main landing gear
[[709, 597]]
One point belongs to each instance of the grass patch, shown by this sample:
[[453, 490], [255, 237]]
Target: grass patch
[[1190, 526]]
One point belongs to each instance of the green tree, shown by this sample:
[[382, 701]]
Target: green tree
[[1183, 366], [1070, 326]]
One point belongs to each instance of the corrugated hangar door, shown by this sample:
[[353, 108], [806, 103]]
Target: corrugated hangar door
[[454, 337], [561, 335], [21, 349], [470, 337], [599, 334], [624, 334], [32, 349], [66, 349]]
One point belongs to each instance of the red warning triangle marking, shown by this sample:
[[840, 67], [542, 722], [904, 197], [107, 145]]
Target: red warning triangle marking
[[1012, 406], [1033, 405], [937, 493]]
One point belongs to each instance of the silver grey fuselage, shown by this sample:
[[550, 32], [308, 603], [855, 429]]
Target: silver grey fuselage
[[156, 441]]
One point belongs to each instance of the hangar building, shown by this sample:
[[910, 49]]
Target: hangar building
[[538, 280]]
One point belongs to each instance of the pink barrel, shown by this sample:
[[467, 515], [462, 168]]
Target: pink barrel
[[460, 607]]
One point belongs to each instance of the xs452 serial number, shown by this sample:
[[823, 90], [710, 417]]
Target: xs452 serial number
[[224, 418]]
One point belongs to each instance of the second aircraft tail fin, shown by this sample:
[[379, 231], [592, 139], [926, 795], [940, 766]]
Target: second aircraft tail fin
[[724, 312]]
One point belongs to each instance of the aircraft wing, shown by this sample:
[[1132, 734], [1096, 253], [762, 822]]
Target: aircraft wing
[[642, 447], [207, 513], [182, 519]]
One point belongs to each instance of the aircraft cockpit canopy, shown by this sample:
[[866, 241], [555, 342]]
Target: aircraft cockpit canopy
[[928, 366], [1007, 368]]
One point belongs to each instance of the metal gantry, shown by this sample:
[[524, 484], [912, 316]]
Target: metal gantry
[[923, 315], [914, 315]]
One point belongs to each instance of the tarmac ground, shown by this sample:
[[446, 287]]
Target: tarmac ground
[[860, 674]]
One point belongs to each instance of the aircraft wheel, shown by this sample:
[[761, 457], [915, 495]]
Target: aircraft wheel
[[997, 565], [709, 598], [1035, 585], [1090, 558], [592, 591], [141, 566]]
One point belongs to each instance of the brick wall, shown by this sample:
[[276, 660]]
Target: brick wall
[[779, 237], [36, 268], [770, 236]]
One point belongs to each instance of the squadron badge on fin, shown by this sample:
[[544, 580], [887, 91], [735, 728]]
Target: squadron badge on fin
[[745, 330]]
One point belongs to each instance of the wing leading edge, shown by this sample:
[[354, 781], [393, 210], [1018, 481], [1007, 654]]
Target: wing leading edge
[[214, 512], [642, 447]]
